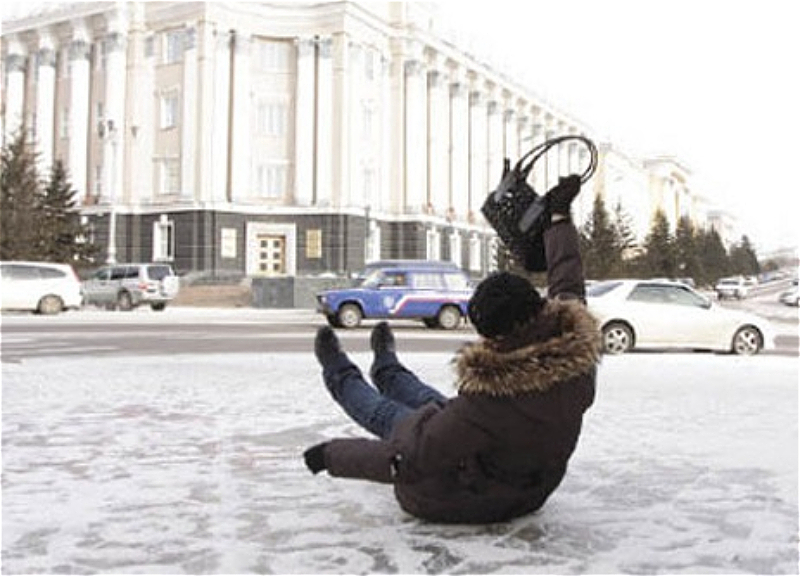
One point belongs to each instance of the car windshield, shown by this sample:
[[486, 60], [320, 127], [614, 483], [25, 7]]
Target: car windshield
[[371, 280]]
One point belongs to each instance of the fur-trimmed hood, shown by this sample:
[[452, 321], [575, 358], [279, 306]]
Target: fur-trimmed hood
[[530, 361]]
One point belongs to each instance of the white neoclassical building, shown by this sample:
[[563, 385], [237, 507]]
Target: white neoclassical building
[[288, 138]]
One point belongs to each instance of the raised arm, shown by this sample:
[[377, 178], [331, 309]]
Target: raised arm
[[565, 278]]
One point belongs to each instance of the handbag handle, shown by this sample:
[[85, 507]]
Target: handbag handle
[[540, 150]]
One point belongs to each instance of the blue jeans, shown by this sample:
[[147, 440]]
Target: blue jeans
[[399, 392]]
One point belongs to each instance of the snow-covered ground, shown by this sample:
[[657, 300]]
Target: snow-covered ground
[[192, 464]]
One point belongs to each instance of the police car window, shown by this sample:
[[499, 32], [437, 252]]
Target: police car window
[[394, 279], [372, 279], [428, 280], [456, 281]]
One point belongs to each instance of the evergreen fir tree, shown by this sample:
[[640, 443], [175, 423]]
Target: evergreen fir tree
[[743, 258], [600, 245], [63, 238], [626, 239], [686, 250], [713, 256], [659, 258], [20, 195]]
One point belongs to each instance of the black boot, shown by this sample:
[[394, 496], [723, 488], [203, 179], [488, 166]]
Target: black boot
[[326, 346], [382, 339]]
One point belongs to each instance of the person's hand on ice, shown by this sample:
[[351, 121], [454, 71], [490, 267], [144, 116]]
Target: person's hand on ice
[[315, 458]]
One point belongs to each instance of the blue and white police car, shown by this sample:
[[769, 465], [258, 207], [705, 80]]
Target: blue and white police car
[[437, 294]]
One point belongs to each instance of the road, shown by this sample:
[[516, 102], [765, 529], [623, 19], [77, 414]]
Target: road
[[180, 330]]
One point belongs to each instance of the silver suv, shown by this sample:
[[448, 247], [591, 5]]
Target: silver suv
[[126, 286]]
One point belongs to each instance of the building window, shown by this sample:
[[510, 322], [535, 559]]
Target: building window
[[173, 46], [98, 181], [433, 244], [369, 63], [374, 242], [271, 179], [169, 176], [474, 253], [314, 243], [368, 186], [64, 123], [272, 118], [367, 120], [494, 254], [274, 55], [163, 240], [455, 248], [169, 109]]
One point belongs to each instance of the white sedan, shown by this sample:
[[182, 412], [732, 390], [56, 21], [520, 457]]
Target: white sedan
[[663, 314]]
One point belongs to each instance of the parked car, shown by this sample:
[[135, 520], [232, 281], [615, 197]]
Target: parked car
[[126, 286], [663, 314], [790, 296], [733, 287], [39, 287], [437, 295]]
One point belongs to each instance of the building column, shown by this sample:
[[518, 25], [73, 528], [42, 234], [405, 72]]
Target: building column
[[539, 172], [15, 67], [190, 148], [324, 127], [478, 139], [415, 141], [139, 163], [112, 131], [550, 160], [219, 45], [45, 102], [340, 121], [563, 151], [510, 138], [382, 200], [79, 80], [304, 123], [240, 150], [496, 148], [438, 141], [459, 146]]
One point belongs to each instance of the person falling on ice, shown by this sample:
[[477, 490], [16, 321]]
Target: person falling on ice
[[500, 447]]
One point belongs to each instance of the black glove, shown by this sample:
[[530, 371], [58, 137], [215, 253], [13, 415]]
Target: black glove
[[315, 458], [560, 197]]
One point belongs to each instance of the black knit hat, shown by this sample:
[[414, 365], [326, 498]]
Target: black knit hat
[[502, 302]]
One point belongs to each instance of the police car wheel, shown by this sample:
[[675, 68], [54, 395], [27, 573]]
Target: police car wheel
[[449, 318], [349, 316]]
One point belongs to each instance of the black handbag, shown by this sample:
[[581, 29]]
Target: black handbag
[[518, 214]]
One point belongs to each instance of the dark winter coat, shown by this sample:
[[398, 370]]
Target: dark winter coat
[[500, 448]]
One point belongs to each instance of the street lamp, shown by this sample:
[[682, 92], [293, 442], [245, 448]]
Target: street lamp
[[107, 130]]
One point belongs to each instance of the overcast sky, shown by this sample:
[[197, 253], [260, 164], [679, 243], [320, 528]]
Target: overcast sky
[[711, 82]]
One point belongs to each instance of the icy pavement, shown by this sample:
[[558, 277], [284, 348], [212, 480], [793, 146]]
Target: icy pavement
[[688, 464]]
